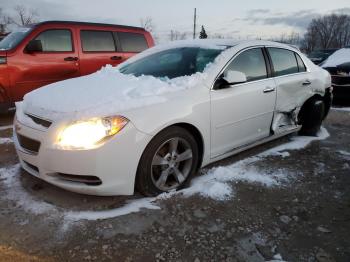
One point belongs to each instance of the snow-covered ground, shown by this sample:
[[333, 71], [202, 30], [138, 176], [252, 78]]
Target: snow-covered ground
[[5, 127], [215, 183], [344, 109]]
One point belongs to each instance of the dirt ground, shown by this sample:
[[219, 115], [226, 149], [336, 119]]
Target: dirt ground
[[304, 219]]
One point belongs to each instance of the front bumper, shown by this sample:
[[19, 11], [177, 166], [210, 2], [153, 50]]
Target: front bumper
[[114, 163], [341, 87]]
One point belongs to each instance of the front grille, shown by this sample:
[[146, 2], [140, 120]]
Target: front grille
[[28, 144], [43, 122], [88, 180]]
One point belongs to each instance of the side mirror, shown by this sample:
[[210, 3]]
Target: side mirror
[[235, 77], [34, 46]]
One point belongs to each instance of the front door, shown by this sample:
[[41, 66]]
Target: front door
[[58, 61], [242, 113]]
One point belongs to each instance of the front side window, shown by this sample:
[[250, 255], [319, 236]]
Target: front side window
[[172, 63], [56, 40], [132, 42], [97, 41], [284, 61], [251, 63]]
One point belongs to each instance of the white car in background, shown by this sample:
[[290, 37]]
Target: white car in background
[[153, 121]]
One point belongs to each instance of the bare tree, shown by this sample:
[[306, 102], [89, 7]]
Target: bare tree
[[176, 35], [5, 20], [24, 16], [330, 31], [147, 23]]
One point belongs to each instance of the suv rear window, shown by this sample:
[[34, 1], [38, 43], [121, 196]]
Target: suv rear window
[[284, 61], [132, 42], [97, 41], [56, 40]]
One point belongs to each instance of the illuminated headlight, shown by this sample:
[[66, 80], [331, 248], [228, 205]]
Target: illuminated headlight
[[3, 60], [90, 133]]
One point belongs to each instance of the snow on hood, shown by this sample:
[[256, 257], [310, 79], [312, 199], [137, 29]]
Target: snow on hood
[[337, 58], [103, 93]]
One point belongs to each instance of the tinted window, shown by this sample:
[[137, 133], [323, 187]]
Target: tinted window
[[251, 63], [132, 42], [57, 40], [172, 63], [283, 61], [97, 41], [301, 65]]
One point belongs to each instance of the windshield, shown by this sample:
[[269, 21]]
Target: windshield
[[172, 63], [14, 38]]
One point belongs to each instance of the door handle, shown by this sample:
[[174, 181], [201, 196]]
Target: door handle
[[306, 83], [71, 58], [269, 89], [116, 57]]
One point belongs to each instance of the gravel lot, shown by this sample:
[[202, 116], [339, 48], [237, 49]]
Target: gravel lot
[[304, 216]]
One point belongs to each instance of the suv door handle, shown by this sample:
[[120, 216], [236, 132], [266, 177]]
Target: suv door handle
[[116, 57], [269, 89], [71, 58], [306, 83]]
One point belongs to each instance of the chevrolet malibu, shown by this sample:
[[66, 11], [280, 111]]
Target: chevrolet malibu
[[152, 122]]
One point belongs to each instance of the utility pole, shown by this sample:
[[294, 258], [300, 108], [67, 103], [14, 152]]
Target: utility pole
[[194, 24]]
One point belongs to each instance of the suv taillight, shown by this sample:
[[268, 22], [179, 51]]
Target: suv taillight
[[3, 60]]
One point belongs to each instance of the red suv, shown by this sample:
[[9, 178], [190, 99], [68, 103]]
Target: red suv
[[47, 52]]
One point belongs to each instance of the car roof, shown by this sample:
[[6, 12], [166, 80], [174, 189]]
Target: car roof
[[87, 23], [212, 43]]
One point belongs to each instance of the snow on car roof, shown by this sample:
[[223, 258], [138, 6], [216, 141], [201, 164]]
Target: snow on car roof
[[337, 58]]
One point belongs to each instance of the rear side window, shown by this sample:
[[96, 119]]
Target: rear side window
[[56, 40], [251, 63], [132, 42], [97, 41], [301, 65], [284, 61]]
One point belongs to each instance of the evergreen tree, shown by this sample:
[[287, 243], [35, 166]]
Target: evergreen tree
[[203, 34]]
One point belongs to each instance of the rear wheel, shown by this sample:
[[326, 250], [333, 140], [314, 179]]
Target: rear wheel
[[312, 116], [168, 162]]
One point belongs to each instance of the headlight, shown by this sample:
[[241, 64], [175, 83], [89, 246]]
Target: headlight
[[88, 134]]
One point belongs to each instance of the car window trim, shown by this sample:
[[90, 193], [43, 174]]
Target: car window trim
[[229, 62], [98, 52], [129, 52], [55, 52], [274, 74], [296, 57]]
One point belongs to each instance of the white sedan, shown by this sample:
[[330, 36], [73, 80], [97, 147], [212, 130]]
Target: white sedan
[[153, 121]]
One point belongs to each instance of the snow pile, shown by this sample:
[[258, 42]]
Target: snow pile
[[5, 140], [105, 92], [344, 109], [337, 58], [5, 127], [131, 207], [14, 192]]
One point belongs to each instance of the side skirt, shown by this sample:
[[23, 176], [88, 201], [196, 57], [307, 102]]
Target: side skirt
[[254, 144]]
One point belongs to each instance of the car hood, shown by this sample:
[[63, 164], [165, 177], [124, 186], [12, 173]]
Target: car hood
[[104, 93]]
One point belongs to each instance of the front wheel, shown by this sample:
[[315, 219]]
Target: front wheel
[[311, 117], [168, 162]]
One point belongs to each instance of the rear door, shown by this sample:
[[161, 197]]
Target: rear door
[[242, 113], [292, 79], [102, 47], [58, 61]]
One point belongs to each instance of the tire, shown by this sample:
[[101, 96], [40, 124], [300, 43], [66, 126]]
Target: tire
[[163, 168], [312, 116]]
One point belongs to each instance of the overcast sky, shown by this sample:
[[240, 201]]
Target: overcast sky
[[238, 19]]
